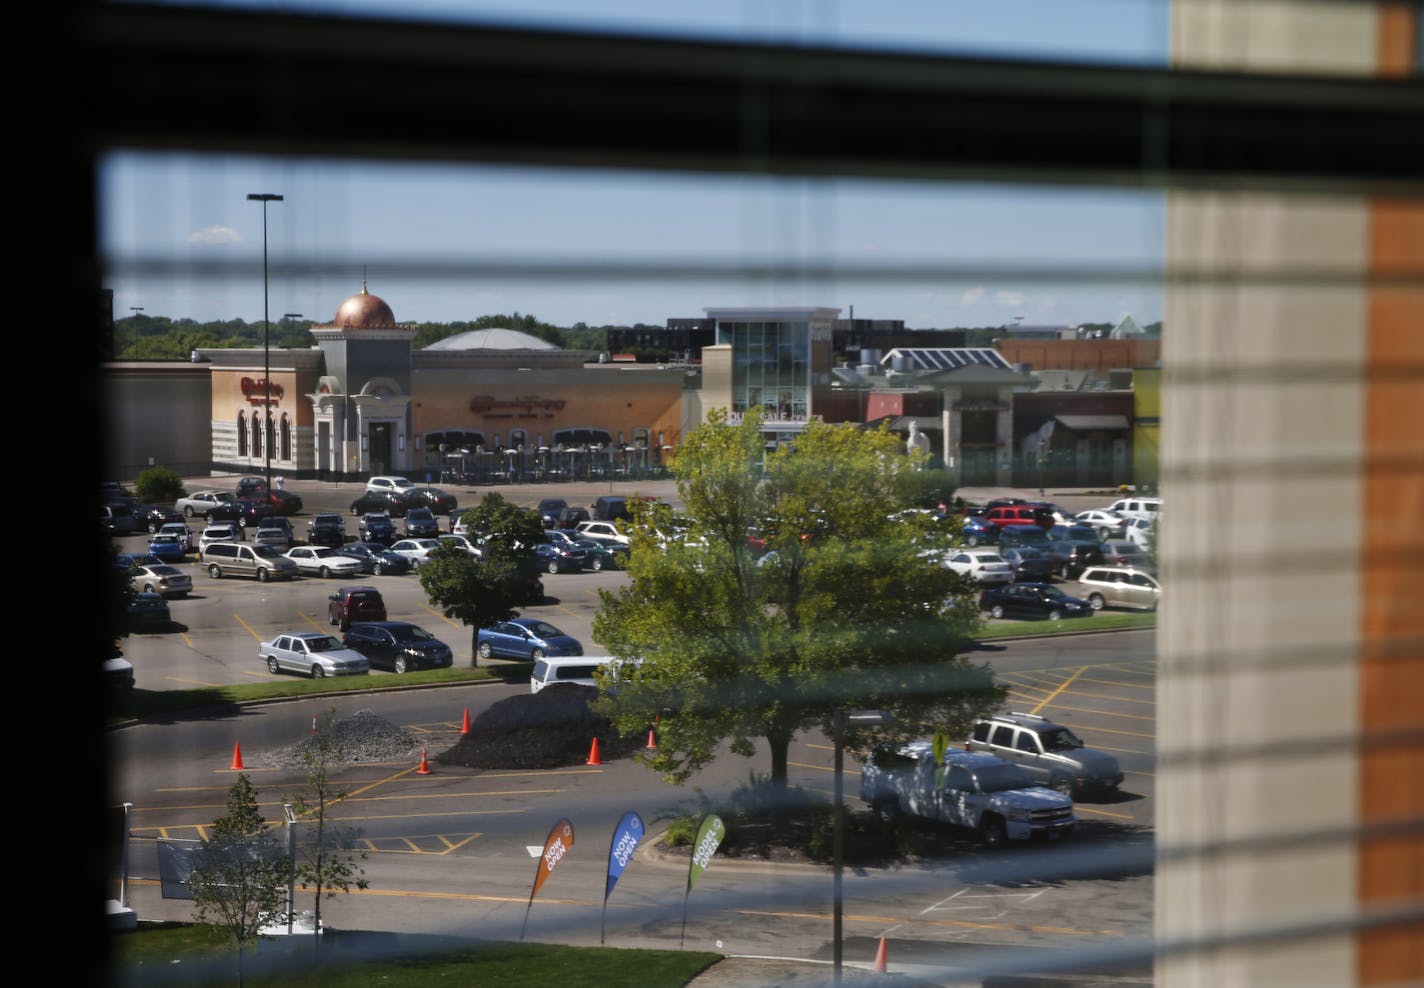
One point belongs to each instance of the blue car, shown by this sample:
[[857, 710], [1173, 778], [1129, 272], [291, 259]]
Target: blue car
[[978, 531], [168, 548], [525, 638]]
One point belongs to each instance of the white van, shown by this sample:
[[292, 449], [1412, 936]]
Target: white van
[[1138, 507], [576, 669]]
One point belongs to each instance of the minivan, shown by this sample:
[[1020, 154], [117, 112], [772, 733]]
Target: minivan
[[1119, 586], [576, 669], [240, 559]]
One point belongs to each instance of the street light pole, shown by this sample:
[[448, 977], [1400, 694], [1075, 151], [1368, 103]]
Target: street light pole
[[265, 198], [864, 717]]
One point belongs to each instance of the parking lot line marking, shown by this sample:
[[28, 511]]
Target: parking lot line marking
[[947, 923], [1066, 683], [1104, 713], [818, 768], [248, 627], [1079, 807]]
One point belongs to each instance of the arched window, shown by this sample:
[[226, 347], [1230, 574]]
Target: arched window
[[285, 431], [271, 428], [241, 433], [256, 434]]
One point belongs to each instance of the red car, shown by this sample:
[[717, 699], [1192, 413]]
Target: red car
[[355, 604], [255, 489]]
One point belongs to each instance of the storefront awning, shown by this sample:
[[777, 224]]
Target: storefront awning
[[1093, 423]]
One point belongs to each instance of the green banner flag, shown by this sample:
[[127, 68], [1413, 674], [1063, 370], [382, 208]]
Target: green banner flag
[[709, 837]]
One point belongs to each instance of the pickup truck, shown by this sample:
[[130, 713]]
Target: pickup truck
[[994, 798]]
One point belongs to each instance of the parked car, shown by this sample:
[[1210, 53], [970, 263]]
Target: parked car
[[180, 531], [118, 673], [1119, 586], [603, 555], [283, 502], [351, 604], [1149, 508], [162, 579], [462, 542], [416, 550], [571, 517], [328, 529], [525, 638], [323, 561], [981, 565], [148, 611], [169, 548], [1140, 532], [398, 646], [1055, 512], [1071, 557], [202, 503], [1020, 514], [388, 483], [222, 531], [377, 559], [117, 519], [979, 531], [1073, 533], [1050, 753], [377, 528], [558, 557], [152, 517], [393, 504], [421, 523], [275, 531], [602, 531], [438, 501], [549, 509], [242, 511], [311, 653], [1032, 600], [1022, 535], [1029, 563], [239, 559], [1109, 524]]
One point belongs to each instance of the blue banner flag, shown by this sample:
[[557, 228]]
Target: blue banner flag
[[620, 852]]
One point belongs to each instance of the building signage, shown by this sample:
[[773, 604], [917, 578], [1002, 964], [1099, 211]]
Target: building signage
[[524, 407], [255, 390]]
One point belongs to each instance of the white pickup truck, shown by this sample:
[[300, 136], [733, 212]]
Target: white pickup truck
[[994, 798]]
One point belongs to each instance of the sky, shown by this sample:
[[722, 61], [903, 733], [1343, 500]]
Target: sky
[[447, 243]]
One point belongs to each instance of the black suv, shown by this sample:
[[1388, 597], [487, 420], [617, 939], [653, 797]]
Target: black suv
[[549, 509], [421, 523], [378, 528], [1070, 558], [326, 529]]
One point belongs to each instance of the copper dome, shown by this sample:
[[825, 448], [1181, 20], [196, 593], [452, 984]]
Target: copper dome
[[364, 311]]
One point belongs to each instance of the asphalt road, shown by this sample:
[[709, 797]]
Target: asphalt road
[[448, 851]]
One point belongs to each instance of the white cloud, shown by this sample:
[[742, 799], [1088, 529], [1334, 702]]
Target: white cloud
[[973, 297], [1009, 298], [215, 236]]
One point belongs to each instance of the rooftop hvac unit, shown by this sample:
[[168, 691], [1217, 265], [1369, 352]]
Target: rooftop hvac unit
[[901, 363], [868, 356], [1120, 379]]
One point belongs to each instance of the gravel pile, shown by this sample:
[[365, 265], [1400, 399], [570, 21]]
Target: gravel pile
[[365, 736]]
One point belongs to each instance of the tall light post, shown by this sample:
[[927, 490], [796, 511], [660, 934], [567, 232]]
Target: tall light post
[[859, 717], [265, 198]]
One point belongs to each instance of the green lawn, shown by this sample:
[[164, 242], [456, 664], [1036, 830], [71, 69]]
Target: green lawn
[[176, 954]]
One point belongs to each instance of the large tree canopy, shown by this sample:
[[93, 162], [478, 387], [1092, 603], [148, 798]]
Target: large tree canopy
[[851, 607]]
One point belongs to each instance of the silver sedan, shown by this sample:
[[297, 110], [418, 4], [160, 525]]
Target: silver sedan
[[314, 654]]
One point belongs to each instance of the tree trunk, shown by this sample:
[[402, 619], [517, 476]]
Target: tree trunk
[[780, 747], [474, 647]]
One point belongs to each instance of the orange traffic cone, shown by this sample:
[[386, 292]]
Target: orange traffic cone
[[236, 757], [652, 740], [593, 758], [424, 766], [465, 727], [880, 962], [313, 726]]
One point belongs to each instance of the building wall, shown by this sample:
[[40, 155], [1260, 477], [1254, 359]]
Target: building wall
[[1146, 426], [236, 390], [1099, 355], [1290, 683]]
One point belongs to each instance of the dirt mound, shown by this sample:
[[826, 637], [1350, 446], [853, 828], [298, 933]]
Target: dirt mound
[[548, 729]]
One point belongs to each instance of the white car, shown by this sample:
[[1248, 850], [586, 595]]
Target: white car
[[199, 504], [461, 542], [222, 531], [601, 531], [1138, 507], [181, 531], [983, 565], [384, 485], [416, 550], [1140, 531], [323, 561], [1110, 524], [312, 653]]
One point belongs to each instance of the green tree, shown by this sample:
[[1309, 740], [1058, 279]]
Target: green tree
[[239, 875], [479, 591], [327, 853], [851, 608], [158, 485]]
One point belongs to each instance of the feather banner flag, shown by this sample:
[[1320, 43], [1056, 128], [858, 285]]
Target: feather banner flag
[[709, 838], [620, 852], [556, 845]]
